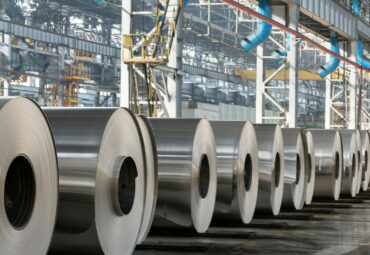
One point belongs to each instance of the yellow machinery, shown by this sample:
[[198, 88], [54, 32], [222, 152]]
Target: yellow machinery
[[73, 75], [145, 51]]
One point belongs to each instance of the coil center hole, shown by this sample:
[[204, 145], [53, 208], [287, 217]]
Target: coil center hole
[[309, 167], [298, 169], [126, 185], [203, 183], [365, 160], [353, 165], [248, 172], [277, 170], [19, 192], [336, 166]]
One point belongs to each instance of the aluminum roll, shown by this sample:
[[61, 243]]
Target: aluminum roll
[[271, 168], [328, 162], [365, 160], [237, 170], [294, 168], [350, 161], [29, 178], [311, 169], [359, 159], [187, 178], [101, 180], [151, 176]]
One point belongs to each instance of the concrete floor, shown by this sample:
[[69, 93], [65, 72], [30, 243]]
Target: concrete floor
[[323, 228]]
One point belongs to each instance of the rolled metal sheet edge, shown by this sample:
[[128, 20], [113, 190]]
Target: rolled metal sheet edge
[[365, 150], [311, 169], [294, 168], [271, 168], [101, 166], [350, 176], [151, 176], [29, 203], [187, 177], [237, 170], [329, 163]]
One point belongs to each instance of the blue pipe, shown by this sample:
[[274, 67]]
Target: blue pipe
[[263, 29], [360, 55], [281, 53], [356, 6], [98, 2], [333, 62], [186, 2]]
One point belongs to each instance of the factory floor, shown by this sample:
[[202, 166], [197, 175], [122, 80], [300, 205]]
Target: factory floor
[[342, 227]]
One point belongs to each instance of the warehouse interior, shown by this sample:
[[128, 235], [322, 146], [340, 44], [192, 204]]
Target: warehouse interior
[[184, 126]]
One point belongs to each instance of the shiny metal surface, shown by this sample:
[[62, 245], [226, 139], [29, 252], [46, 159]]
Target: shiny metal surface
[[365, 150], [350, 163], [237, 170], [101, 180], [187, 178], [151, 176], [311, 169], [294, 168], [359, 160], [28, 178], [329, 163], [271, 168]]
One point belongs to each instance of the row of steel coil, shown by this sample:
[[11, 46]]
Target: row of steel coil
[[97, 180]]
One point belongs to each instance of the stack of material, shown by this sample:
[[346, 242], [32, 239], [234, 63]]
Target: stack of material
[[311, 168], [237, 171], [295, 155], [29, 178], [350, 160], [101, 180], [271, 168], [329, 163], [187, 177]]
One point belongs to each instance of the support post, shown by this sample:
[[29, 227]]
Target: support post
[[293, 67], [328, 114], [126, 69], [260, 86], [353, 85], [61, 52], [173, 102]]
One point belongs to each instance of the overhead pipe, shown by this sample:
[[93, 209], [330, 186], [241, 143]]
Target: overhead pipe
[[333, 63], [253, 13], [263, 29], [356, 6], [361, 59], [281, 53]]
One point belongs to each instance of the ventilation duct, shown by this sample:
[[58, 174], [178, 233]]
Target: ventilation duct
[[263, 29], [361, 59], [333, 62]]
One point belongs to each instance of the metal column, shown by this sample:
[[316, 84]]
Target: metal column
[[293, 67], [260, 86], [61, 52], [353, 81], [174, 81], [125, 69]]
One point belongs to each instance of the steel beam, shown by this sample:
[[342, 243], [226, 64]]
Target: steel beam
[[126, 78], [293, 66]]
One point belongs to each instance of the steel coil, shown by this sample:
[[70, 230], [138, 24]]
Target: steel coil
[[101, 180], [350, 160], [187, 178], [359, 159], [151, 176], [29, 178], [271, 168], [294, 168], [237, 170], [328, 162], [311, 169], [365, 159]]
